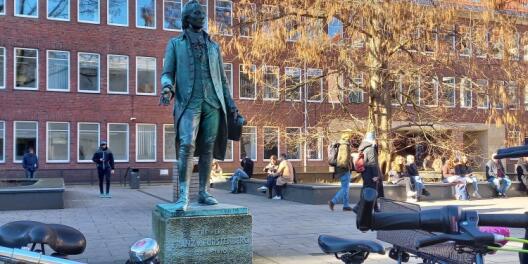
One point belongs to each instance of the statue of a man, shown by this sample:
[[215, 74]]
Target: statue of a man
[[193, 74]]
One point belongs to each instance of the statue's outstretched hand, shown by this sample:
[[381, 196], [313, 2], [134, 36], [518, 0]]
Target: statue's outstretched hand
[[165, 96]]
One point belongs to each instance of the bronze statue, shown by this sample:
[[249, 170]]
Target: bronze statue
[[193, 74]]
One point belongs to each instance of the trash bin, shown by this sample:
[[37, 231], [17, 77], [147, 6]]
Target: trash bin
[[134, 179]]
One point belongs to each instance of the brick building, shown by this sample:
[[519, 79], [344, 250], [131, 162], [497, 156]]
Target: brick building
[[73, 72]]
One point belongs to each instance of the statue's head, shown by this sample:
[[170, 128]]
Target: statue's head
[[193, 15]]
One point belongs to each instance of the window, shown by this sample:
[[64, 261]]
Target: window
[[169, 143], [2, 7], [87, 141], [482, 94], [229, 151], [172, 15], [247, 84], [526, 97], [335, 88], [271, 82], [2, 141], [58, 71], [314, 144], [463, 41], [117, 12], [293, 143], [293, 84], [524, 45], [228, 68], [205, 7], [146, 14], [396, 92], [117, 74], [88, 72], [26, 137], [248, 143], [2, 68], [448, 91], [118, 141], [466, 95], [88, 11], [498, 97], [480, 41], [269, 13], [26, 8], [511, 94], [271, 142], [335, 29], [411, 90], [58, 142], [145, 76], [314, 85], [514, 46], [26, 69], [429, 94], [497, 44], [356, 93], [146, 142], [247, 12], [59, 10], [224, 16]]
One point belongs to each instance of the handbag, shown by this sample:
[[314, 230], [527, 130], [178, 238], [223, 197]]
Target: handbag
[[235, 123]]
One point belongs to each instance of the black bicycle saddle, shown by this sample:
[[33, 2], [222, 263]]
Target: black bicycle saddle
[[332, 244], [62, 239]]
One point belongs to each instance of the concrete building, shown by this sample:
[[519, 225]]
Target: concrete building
[[74, 72]]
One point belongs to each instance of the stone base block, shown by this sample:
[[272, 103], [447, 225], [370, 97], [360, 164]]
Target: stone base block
[[203, 234]]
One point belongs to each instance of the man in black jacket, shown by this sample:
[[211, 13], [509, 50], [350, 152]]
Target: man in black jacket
[[104, 159]]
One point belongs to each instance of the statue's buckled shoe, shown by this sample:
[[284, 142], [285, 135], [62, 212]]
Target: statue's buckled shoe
[[207, 199], [181, 205]]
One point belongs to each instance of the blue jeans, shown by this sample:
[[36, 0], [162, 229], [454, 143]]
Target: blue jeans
[[418, 185], [501, 185], [342, 194], [30, 174], [238, 175]]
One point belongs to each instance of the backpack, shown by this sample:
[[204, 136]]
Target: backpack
[[359, 162], [333, 150]]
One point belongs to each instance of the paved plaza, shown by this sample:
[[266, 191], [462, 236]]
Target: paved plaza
[[283, 232]]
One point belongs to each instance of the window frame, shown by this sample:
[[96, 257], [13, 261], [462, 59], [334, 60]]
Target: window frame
[[3, 134], [463, 91], [436, 85], [274, 69], [155, 76], [320, 143], [108, 74], [254, 69], [232, 14], [253, 27], [79, 137], [181, 9], [4, 71], [286, 69], [4, 11], [47, 72], [356, 89], [230, 77], [127, 15], [15, 71], [494, 103], [58, 19], [24, 16], [256, 144], [164, 141], [264, 139], [15, 137], [88, 21], [516, 103], [232, 152], [487, 96], [68, 144], [454, 91], [155, 143], [321, 85], [155, 16], [98, 73], [301, 150], [127, 140]]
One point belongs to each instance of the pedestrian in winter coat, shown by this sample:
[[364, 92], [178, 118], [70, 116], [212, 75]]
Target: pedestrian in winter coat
[[30, 163], [343, 172], [372, 177], [104, 159]]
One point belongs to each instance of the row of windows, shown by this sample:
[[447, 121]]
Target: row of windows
[[58, 142]]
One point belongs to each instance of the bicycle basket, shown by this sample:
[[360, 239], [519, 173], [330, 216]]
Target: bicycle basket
[[406, 239]]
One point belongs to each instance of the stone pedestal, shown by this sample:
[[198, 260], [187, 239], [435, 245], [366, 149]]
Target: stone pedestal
[[203, 234]]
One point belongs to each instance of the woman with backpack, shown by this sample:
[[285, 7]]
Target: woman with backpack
[[343, 167]]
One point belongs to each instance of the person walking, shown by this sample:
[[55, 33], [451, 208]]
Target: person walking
[[371, 176], [496, 176], [286, 176], [30, 163], [342, 171], [104, 159]]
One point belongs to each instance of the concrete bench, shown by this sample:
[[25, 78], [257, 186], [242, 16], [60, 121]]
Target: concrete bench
[[322, 193]]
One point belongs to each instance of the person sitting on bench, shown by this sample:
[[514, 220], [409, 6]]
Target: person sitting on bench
[[271, 169], [286, 175]]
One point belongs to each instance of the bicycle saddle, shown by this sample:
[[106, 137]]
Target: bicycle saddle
[[332, 244], [62, 239]]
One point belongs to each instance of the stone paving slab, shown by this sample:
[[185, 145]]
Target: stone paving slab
[[283, 232]]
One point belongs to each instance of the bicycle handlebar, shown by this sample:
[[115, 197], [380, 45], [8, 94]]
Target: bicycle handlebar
[[507, 220]]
